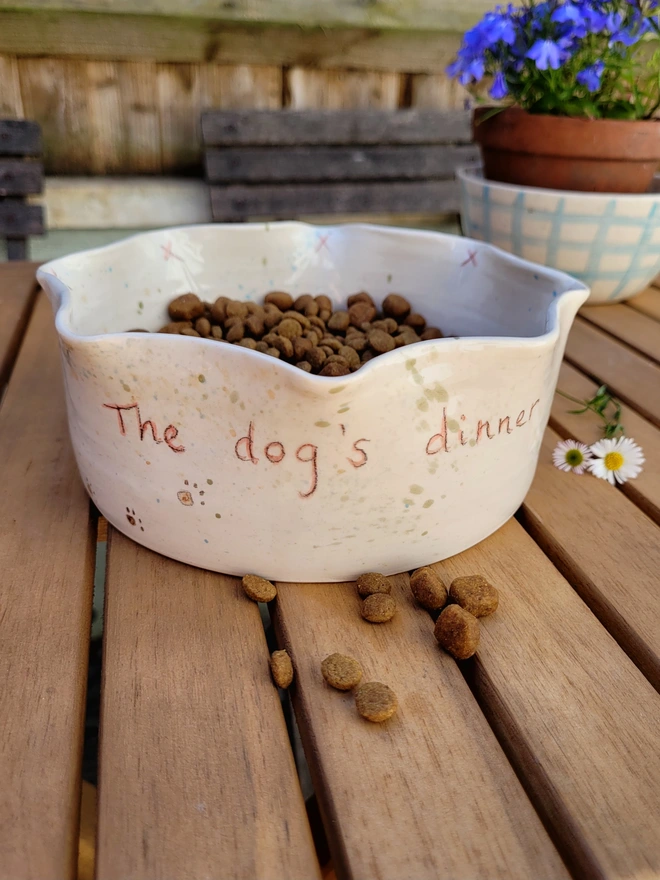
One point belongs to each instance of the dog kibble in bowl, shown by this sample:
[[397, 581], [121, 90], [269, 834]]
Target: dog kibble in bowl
[[306, 332]]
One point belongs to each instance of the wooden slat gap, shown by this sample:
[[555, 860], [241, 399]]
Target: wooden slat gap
[[16, 340]]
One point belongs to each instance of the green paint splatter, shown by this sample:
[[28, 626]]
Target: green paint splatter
[[322, 424], [453, 425], [437, 393], [389, 278], [428, 503], [264, 261], [125, 386], [415, 489], [423, 404], [424, 533], [408, 501], [473, 442], [344, 498], [443, 496], [210, 482], [410, 364], [201, 378], [337, 390], [233, 396], [217, 516], [343, 409]]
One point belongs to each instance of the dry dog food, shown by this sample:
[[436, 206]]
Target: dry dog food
[[281, 668], [305, 331], [258, 588], [378, 608], [372, 582], [428, 589], [341, 672], [475, 594], [375, 701], [458, 632]]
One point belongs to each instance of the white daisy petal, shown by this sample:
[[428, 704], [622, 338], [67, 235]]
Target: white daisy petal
[[616, 460], [571, 456]]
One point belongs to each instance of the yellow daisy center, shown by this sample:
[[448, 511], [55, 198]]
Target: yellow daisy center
[[613, 461]]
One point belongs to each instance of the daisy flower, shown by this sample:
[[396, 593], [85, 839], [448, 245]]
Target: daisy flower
[[616, 460], [569, 455]]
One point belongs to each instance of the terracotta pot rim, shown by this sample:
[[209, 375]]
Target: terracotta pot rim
[[474, 173], [517, 130]]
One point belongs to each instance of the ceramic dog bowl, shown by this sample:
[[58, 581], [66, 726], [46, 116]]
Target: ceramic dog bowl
[[610, 242], [230, 460]]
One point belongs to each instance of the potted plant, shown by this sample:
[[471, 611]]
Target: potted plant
[[577, 84]]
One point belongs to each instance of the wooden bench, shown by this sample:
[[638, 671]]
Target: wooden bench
[[21, 175], [284, 164], [538, 755]]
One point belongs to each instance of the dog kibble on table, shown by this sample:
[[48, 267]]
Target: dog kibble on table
[[341, 672], [475, 594], [457, 631], [428, 589], [258, 589], [281, 669], [378, 608], [375, 701], [306, 332], [372, 582]]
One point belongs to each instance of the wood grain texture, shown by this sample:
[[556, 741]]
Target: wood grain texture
[[140, 116], [297, 128], [648, 303], [18, 219], [19, 138], [630, 376], [240, 87], [11, 103], [429, 794], [105, 122], [18, 178], [437, 91], [588, 428], [47, 562], [342, 89], [608, 550], [577, 718], [207, 786], [55, 93], [18, 291], [289, 201], [628, 325], [265, 164]]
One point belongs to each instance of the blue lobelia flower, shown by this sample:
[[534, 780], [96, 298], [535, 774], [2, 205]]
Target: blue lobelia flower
[[499, 87], [547, 53], [590, 76]]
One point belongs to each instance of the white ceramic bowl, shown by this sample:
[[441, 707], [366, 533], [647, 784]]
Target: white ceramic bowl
[[610, 242], [233, 461]]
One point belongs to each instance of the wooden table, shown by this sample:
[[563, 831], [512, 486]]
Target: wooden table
[[538, 758]]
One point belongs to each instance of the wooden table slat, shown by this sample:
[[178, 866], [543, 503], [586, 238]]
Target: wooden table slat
[[630, 326], [429, 794], [629, 375], [648, 303], [197, 777], [18, 289], [607, 548], [47, 563], [588, 428], [579, 721]]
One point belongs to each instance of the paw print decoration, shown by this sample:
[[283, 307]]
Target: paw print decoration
[[133, 520], [186, 496]]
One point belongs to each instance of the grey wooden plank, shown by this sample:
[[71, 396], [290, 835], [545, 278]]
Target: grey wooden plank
[[265, 164], [18, 178], [19, 137], [18, 219], [300, 127], [294, 200]]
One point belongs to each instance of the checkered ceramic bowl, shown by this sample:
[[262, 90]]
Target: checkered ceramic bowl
[[610, 242]]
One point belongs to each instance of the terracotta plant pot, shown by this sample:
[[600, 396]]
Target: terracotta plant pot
[[568, 153]]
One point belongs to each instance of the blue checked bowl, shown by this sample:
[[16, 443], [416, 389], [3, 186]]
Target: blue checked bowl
[[610, 242]]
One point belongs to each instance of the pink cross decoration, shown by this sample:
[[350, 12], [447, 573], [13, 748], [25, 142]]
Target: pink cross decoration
[[471, 258], [322, 242], [167, 252]]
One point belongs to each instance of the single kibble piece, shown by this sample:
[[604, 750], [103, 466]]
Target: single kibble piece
[[219, 309], [235, 332], [237, 309], [248, 343], [323, 302], [278, 298], [258, 588], [203, 326], [216, 332], [334, 370], [375, 701], [417, 322], [431, 333], [362, 296], [188, 331], [428, 589], [373, 582], [458, 632], [289, 328], [281, 668], [341, 672], [175, 327], [254, 324], [381, 341], [303, 301], [475, 594], [395, 306], [359, 313], [378, 608], [339, 321], [304, 365], [186, 307]]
